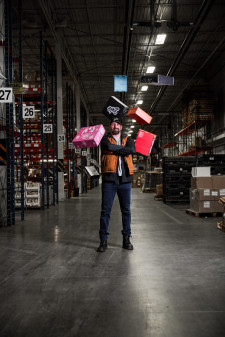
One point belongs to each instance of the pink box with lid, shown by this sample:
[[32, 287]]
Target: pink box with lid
[[89, 136]]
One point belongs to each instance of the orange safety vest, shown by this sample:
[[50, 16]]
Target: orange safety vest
[[109, 160]]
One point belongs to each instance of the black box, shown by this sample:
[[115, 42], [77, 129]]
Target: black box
[[114, 108]]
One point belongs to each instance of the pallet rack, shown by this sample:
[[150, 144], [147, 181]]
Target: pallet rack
[[177, 178], [197, 120], [27, 144]]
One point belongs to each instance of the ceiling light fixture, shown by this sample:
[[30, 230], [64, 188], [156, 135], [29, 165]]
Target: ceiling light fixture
[[144, 88], [133, 120], [150, 70], [160, 39], [132, 126], [139, 101]]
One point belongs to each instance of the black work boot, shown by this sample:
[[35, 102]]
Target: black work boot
[[126, 242], [102, 247]]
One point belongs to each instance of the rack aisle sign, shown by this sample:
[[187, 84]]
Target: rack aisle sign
[[61, 138], [28, 111], [47, 128], [6, 95]]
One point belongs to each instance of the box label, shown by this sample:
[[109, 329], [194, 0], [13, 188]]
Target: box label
[[206, 192], [222, 192], [206, 204], [215, 193]]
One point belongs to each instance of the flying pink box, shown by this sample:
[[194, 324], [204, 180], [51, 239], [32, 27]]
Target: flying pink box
[[89, 136]]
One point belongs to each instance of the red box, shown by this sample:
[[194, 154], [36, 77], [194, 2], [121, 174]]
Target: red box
[[144, 142], [140, 116]]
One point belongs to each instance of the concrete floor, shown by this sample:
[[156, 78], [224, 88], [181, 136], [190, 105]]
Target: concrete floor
[[53, 283]]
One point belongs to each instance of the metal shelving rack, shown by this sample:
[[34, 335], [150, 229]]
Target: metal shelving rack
[[34, 144], [21, 110], [70, 157], [9, 117]]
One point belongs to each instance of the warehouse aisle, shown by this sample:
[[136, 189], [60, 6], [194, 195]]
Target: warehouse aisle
[[53, 283]]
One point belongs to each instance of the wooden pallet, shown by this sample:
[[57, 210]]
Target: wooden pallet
[[157, 198], [221, 226], [197, 214], [148, 190]]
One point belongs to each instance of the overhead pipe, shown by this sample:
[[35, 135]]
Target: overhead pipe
[[205, 7]]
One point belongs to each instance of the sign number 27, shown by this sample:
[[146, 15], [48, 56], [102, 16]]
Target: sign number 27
[[6, 95]]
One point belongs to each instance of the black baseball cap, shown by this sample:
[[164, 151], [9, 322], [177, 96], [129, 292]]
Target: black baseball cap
[[116, 120]]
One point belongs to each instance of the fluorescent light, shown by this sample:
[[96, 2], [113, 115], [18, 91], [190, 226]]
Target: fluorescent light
[[131, 131], [133, 120], [160, 38], [144, 88], [150, 70], [132, 126], [139, 101]]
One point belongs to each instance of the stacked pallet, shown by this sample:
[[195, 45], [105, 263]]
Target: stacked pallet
[[177, 178], [152, 178], [177, 174], [197, 105], [215, 161]]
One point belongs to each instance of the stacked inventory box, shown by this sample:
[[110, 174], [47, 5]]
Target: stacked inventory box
[[205, 193], [177, 178], [197, 105]]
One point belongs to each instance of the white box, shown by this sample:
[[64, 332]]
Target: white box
[[201, 171]]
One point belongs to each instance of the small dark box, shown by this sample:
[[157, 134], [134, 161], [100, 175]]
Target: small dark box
[[114, 108]]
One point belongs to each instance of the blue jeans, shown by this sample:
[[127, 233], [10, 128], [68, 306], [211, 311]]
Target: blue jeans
[[109, 190]]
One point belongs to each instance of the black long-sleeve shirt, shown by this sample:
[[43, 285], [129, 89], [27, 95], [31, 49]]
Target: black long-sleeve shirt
[[118, 150]]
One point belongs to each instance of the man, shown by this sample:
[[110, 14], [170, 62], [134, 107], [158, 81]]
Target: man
[[117, 175]]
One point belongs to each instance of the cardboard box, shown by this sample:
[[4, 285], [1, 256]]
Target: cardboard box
[[89, 136], [217, 208], [215, 194], [200, 206], [140, 116], [159, 190], [218, 182], [201, 182], [144, 142], [204, 194], [201, 171], [114, 108], [221, 192]]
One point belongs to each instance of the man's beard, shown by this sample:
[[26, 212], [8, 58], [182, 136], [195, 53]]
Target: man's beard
[[115, 132]]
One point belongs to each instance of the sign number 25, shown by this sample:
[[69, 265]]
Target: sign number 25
[[47, 128]]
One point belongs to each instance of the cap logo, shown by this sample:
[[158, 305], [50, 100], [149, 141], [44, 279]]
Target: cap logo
[[113, 110]]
